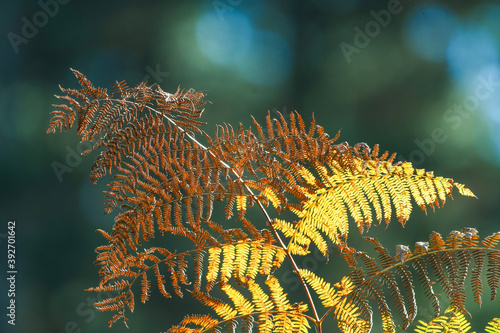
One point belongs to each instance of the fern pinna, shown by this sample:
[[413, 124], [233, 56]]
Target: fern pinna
[[165, 180]]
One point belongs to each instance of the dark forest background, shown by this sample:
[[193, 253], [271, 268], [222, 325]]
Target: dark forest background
[[419, 78]]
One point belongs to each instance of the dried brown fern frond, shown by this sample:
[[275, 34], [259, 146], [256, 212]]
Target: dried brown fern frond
[[389, 279], [241, 260], [164, 178]]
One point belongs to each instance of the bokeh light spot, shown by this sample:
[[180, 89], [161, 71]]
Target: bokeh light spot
[[490, 78], [268, 61], [490, 82], [470, 50], [224, 40], [428, 30]]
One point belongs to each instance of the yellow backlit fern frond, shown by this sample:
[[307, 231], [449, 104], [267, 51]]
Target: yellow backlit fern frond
[[451, 322], [243, 261], [346, 313], [493, 326], [266, 311], [388, 323], [339, 193]]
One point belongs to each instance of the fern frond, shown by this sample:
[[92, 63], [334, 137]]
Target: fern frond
[[493, 326], [454, 323], [326, 293], [166, 181], [450, 262], [201, 321], [339, 193], [243, 261], [270, 312], [345, 313]]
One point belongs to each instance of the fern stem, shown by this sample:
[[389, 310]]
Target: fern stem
[[294, 264], [262, 208]]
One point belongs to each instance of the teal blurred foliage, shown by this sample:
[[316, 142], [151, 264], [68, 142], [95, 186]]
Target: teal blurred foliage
[[419, 78]]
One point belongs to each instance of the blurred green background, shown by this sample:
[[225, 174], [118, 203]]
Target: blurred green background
[[419, 78]]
